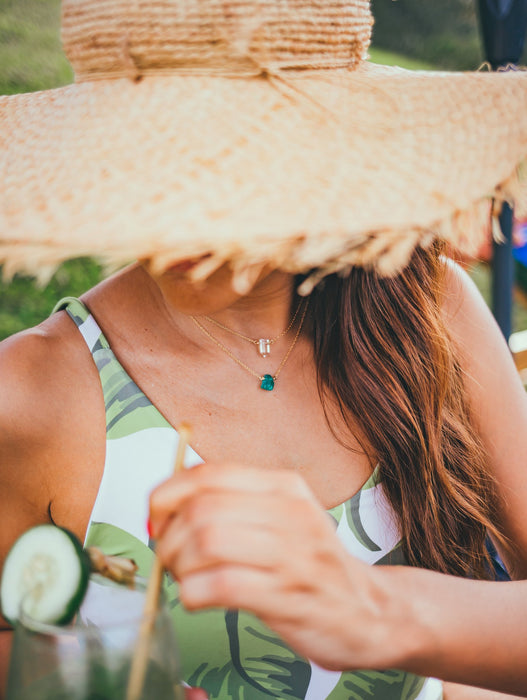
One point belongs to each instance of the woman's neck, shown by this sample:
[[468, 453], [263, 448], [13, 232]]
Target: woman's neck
[[264, 312]]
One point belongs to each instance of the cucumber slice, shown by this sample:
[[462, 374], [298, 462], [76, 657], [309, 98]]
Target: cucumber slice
[[48, 570]]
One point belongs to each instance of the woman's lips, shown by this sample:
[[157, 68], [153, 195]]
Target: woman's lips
[[183, 266], [187, 265]]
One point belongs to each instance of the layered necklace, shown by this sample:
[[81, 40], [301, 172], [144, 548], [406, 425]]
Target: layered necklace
[[267, 381], [263, 344]]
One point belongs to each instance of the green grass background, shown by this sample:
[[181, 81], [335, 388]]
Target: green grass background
[[31, 59]]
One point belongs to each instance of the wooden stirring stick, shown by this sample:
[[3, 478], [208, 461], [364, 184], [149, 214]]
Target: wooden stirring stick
[[153, 589]]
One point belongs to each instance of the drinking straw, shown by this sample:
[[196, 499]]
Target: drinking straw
[[153, 589]]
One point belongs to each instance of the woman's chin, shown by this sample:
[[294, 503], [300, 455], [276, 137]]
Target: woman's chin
[[194, 297]]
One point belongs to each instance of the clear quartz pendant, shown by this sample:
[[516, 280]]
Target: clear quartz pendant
[[264, 347]]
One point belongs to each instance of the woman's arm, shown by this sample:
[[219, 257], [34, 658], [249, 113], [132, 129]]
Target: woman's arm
[[23, 483], [45, 442], [498, 402], [469, 632]]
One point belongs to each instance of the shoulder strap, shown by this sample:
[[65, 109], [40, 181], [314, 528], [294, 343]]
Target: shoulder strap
[[127, 408], [84, 321]]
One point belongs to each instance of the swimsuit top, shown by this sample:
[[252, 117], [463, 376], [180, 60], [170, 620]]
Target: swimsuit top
[[229, 653]]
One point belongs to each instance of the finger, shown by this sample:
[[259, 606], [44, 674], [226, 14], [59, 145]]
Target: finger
[[257, 591], [211, 511], [240, 510], [167, 498], [183, 553], [229, 477], [210, 526], [195, 694], [235, 587]]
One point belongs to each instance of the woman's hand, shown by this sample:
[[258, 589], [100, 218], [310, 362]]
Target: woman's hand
[[195, 694], [237, 537]]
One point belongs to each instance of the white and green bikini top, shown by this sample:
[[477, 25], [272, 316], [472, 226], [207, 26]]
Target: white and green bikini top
[[229, 653]]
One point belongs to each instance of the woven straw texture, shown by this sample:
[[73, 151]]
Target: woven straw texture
[[254, 132], [115, 36]]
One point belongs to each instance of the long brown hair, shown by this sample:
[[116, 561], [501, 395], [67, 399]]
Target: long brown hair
[[384, 356]]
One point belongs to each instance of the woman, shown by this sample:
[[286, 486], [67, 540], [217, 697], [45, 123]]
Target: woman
[[243, 177], [255, 536]]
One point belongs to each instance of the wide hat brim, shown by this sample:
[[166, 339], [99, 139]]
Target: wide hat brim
[[300, 170]]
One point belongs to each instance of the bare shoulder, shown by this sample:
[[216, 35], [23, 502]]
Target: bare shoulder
[[465, 311], [481, 345], [482, 349], [497, 398], [50, 404], [36, 368]]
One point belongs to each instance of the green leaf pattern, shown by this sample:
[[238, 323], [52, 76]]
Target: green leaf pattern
[[229, 653]]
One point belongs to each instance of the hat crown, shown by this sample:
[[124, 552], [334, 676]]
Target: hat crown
[[102, 37]]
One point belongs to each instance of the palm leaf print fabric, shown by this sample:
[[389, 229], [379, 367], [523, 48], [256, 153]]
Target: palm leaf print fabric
[[231, 654]]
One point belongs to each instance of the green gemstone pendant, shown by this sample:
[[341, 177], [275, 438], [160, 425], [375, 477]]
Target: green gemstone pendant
[[267, 382]]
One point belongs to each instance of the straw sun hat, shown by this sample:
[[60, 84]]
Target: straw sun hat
[[253, 131]]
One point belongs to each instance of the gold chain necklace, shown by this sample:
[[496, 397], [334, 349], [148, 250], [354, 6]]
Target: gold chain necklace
[[267, 381], [264, 344]]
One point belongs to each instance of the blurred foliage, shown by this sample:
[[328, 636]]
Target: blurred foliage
[[23, 303], [481, 274], [444, 33], [389, 58], [31, 57]]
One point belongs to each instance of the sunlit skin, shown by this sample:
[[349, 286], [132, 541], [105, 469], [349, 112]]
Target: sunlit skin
[[272, 468], [194, 297], [263, 309]]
